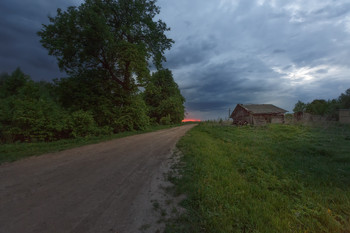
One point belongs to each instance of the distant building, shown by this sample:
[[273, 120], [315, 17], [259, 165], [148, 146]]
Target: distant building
[[257, 114], [344, 116]]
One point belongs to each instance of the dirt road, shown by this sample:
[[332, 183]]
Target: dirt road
[[106, 187]]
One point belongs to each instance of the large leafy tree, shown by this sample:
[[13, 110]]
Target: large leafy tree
[[164, 98], [114, 39], [299, 107], [317, 107], [344, 99]]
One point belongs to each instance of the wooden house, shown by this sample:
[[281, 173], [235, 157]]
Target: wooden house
[[257, 114]]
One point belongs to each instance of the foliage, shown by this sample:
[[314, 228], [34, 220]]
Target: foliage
[[317, 107], [88, 93], [114, 39], [11, 84], [133, 115], [30, 112], [327, 108], [82, 124], [299, 107], [344, 99], [276, 178], [105, 47], [27, 112], [165, 120], [163, 96]]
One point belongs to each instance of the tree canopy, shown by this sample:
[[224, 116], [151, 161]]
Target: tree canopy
[[299, 107], [164, 99], [323, 107], [113, 38], [344, 99]]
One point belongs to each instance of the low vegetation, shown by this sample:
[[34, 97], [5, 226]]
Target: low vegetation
[[10, 152], [276, 178]]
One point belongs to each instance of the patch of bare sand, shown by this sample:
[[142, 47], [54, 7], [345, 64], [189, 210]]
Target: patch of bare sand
[[161, 205]]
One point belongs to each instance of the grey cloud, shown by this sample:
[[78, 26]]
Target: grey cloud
[[19, 43], [322, 71], [191, 51], [278, 51], [220, 86]]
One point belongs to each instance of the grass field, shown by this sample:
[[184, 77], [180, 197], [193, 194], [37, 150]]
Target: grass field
[[15, 151], [276, 178]]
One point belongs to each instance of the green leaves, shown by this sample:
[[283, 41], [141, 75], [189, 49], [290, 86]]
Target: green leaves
[[163, 96], [104, 46], [322, 107], [117, 37]]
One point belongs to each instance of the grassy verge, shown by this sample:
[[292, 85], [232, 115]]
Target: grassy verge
[[15, 151], [278, 178]]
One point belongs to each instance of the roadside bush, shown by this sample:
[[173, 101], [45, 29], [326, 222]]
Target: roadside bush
[[82, 124], [29, 115], [165, 120], [132, 116]]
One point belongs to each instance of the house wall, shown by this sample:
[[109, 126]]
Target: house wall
[[263, 119], [240, 115], [259, 120], [344, 116], [278, 119]]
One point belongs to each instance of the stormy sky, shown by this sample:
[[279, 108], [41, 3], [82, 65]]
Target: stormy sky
[[225, 52]]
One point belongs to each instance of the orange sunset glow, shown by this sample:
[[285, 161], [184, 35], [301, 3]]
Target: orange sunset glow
[[191, 120]]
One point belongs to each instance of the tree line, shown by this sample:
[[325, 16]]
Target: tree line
[[106, 47], [323, 107]]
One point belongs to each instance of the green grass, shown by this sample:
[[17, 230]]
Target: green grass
[[277, 178], [15, 151]]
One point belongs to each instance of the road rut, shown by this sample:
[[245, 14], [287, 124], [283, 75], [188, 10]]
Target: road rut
[[104, 187]]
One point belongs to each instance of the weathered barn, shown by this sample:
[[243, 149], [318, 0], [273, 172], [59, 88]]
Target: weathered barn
[[257, 114]]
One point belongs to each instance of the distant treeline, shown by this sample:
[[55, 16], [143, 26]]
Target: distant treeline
[[323, 107], [106, 48], [78, 107]]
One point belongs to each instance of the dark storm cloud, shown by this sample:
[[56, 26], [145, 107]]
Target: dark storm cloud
[[264, 51], [218, 87], [191, 51], [19, 44]]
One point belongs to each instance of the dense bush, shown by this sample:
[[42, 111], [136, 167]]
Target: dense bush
[[165, 120], [68, 108], [27, 112], [82, 124], [133, 116]]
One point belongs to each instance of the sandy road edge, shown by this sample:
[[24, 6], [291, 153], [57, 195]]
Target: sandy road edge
[[163, 205]]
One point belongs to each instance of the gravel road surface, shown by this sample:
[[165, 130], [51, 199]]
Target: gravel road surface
[[106, 187]]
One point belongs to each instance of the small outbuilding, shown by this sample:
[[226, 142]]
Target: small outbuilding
[[257, 114]]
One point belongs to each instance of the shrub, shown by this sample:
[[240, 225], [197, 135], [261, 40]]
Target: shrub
[[29, 116], [132, 116], [165, 120], [82, 124]]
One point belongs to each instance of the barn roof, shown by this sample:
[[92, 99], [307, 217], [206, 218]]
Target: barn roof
[[263, 108]]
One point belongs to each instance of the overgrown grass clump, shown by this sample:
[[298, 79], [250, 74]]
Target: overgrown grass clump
[[276, 178]]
